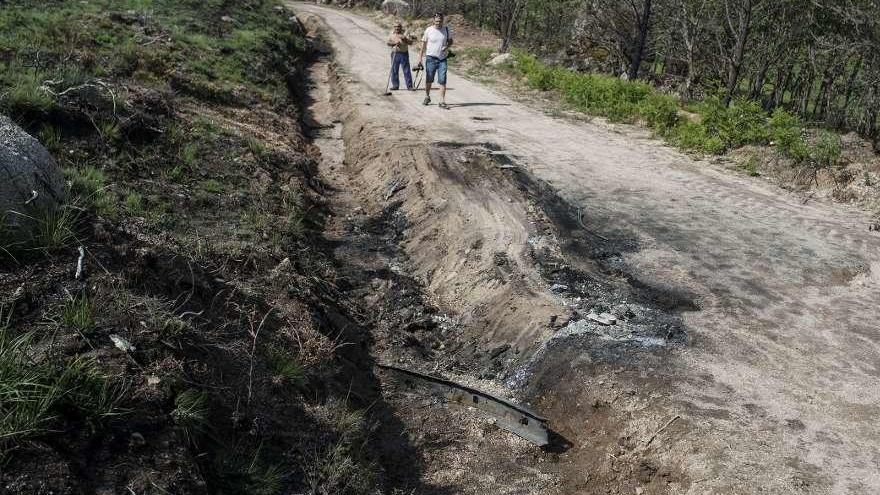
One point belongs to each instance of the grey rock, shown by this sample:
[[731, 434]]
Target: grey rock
[[30, 180], [501, 59], [396, 7]]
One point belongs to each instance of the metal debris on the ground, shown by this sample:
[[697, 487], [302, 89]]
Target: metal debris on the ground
[[509, 416], [602, 318], [392, 187]]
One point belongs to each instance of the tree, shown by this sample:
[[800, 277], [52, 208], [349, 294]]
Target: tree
[[623, 28]]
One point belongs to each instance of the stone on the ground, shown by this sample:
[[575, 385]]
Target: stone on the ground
[[501, 59], [30, 180], [602, 318]]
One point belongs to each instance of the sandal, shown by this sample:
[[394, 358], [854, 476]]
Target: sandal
[[444, 105], [426, 101]]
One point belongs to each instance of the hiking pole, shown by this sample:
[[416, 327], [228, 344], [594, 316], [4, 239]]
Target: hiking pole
[[390, 74], [420, 71]]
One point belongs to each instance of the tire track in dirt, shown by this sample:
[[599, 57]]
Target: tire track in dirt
[[779, 383]]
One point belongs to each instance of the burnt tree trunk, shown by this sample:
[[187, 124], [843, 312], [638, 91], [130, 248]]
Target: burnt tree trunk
[[643, 26], [740, 31]]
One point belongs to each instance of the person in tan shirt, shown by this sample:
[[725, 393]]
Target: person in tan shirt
[[400, 42]]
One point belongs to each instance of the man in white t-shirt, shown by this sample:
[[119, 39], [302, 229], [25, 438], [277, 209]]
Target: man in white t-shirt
[[435, 45]]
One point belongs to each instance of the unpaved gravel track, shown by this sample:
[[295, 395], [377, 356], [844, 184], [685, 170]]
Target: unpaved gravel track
[[779, 387]]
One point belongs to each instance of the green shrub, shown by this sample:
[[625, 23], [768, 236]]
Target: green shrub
[[786, 131], [694, 136], [827, 150], [743, 122], [660, 112]]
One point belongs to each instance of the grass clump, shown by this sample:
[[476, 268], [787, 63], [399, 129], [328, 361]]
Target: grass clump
[[339, 467], [190, 412], [55, 229], [134, 203], [212, 186], [25, 94], [88, 186], [242, 470], [286, 367], [750, 166], [50, 137], [85, 182], [36, 392], [78, 314]]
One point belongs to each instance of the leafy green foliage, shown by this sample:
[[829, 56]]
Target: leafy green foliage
[[742, 122], [787, 132], [827, 149], [716, 128], [693, 136], [610, 97]]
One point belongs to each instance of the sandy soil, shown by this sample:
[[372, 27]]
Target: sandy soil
[[777, 388]]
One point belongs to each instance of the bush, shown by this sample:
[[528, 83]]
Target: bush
[[695, 137], [743, 122], [660, 112], [786, 131], [827, 150]]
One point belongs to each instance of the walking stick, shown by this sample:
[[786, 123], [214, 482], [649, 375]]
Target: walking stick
[[419, 73], [390, 74]]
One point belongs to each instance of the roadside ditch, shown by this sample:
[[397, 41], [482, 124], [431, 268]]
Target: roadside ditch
[[468, 268]]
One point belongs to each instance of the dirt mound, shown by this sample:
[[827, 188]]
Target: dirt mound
[[466, 231]]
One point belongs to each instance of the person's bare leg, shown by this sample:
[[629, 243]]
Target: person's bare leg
[[427, 92], [442, 93]]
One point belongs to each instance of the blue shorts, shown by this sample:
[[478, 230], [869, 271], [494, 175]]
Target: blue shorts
[[434, 65]]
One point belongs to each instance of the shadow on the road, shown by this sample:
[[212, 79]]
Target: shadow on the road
[[457, 105]]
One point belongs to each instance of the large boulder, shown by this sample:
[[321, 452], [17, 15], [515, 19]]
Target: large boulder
[[30, 180]]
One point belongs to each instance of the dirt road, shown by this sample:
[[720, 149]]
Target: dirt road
[[778, 386]]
